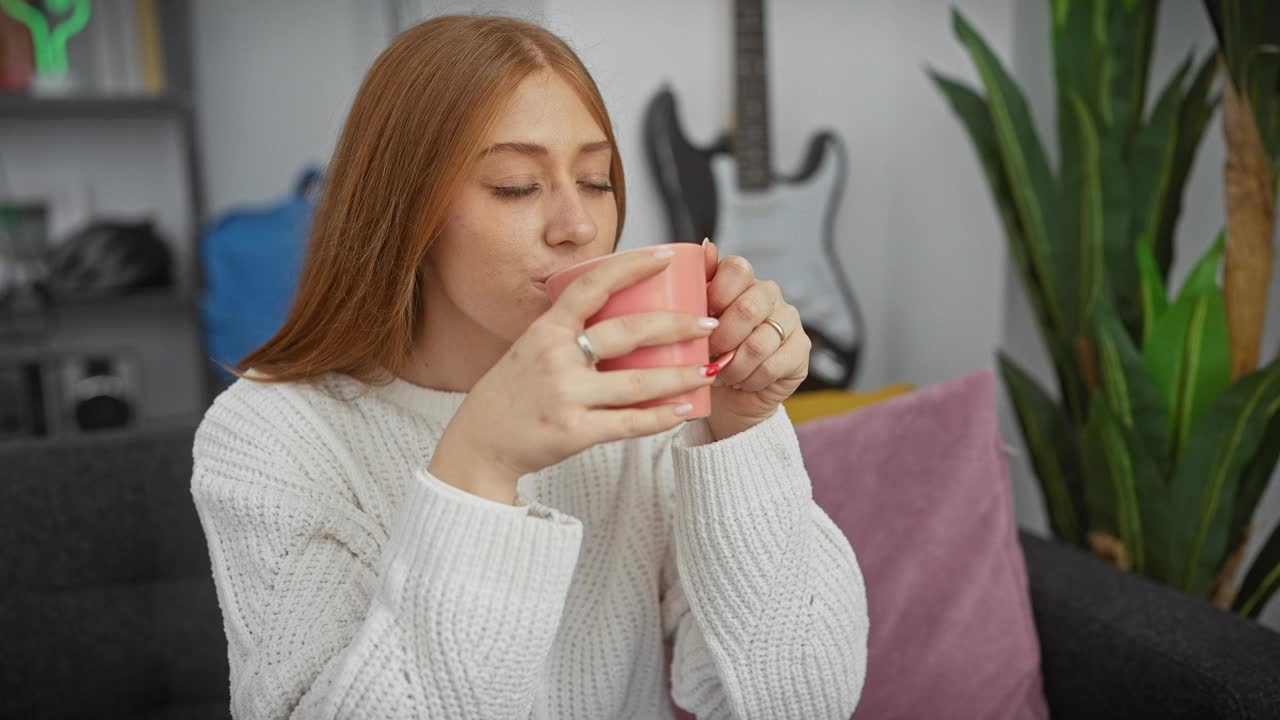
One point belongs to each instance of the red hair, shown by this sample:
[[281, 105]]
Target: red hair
[[422, 114]]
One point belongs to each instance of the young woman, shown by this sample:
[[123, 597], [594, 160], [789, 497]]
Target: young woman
[[421, 498]]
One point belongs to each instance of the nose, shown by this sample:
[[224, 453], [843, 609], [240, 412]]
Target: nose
[[569, 221]]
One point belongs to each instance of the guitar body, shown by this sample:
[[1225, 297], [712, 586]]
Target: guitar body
[[787, 231], [683, 171]]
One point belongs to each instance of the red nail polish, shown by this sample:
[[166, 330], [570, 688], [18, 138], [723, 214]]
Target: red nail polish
[[710, 369]]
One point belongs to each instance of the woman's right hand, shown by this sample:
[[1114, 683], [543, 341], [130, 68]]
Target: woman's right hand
[[543, 401]]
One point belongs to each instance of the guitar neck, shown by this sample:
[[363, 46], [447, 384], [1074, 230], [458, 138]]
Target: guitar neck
[[751, 132]]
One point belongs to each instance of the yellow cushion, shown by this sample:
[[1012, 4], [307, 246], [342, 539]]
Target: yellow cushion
[[814, 404]]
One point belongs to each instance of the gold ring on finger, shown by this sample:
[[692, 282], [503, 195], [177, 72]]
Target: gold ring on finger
[[782, 334]]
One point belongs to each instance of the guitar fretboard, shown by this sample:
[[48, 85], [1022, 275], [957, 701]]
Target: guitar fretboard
[[751, 131]]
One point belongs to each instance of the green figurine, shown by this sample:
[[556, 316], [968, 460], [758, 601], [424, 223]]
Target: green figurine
[[50, 44]]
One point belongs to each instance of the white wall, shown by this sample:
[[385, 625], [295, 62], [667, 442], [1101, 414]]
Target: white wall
[[273, 84], [915, 231]]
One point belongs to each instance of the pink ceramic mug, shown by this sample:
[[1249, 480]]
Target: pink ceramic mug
[[681, 286]]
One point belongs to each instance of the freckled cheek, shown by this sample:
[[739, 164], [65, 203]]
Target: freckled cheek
[[490, 242]]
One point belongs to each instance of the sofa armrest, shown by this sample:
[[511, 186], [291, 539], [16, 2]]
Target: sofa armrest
[[1115, 645]]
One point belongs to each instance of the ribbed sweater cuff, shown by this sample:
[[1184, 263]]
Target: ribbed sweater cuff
[[758, 467], [506, 565]]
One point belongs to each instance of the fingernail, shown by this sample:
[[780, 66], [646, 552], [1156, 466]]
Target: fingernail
[[705, 240], [709, 323], [664, 254], [709, 370], [682, 409]]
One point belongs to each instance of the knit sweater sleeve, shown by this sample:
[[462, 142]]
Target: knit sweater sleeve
[[450, 612], [762, 592]]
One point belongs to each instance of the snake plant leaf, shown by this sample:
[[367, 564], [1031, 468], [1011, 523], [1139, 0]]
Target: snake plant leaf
[[1046, 431], [1060, 10], [1225, 437], [1189, 360], [1129, 390], [1125, 33], [1142, 17], [1154, 161], [1204, 276], [1116, 472], [972, 110], [975, 114], [1033, 186], [1097, 211], [1253, 482], [1198, 105], [1155, 301], [1262, 580], [1106, 207]]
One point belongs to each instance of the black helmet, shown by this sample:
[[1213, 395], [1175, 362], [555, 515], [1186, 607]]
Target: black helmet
[[109, 258]]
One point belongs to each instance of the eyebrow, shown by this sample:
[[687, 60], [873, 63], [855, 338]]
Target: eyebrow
[[524, 148]]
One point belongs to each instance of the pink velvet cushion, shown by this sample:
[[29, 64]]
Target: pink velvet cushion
[[920, 487]]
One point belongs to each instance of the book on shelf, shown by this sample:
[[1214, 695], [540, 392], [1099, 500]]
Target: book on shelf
[[17, 58]]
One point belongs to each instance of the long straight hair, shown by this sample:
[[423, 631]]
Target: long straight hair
[[421, 116]]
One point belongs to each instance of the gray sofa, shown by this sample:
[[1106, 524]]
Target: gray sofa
[[109, 611]]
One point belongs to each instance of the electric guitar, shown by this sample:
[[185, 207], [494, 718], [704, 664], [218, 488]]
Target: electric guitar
[[784, 225]]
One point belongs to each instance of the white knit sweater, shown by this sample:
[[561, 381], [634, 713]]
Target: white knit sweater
[[354, 584]]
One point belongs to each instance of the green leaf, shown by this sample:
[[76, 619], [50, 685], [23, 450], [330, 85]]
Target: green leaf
[[1129, 390], [1154, 161], [1060, 10], [1125, 39], [1225, 438], [1254, 479], [1111, 489], [1033, 186], [1262, 580], [1141, 47], [1203, 278], [1197, 107], [1155, 301], [1076, 72], [1045, 429], [973, 111], [1088, 253], [1188, 358]]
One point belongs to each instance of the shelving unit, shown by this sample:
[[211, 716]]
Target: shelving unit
[[157, 331]]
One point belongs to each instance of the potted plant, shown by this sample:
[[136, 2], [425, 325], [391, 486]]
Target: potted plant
[[1152, 455]]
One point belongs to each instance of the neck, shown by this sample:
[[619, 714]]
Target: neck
[[451, 352]]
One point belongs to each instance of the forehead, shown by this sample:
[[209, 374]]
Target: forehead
[[546, 110]]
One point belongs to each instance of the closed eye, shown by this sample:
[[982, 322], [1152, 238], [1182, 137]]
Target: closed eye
[[506, 191], [514, 192]]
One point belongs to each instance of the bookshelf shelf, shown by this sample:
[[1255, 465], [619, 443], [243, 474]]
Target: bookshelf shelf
[[132, 66], [89, 106]]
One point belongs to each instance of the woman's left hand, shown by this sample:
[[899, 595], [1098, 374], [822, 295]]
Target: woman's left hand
[[765, 368]]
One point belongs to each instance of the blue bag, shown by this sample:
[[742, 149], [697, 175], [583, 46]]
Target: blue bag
[[252, 259]]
